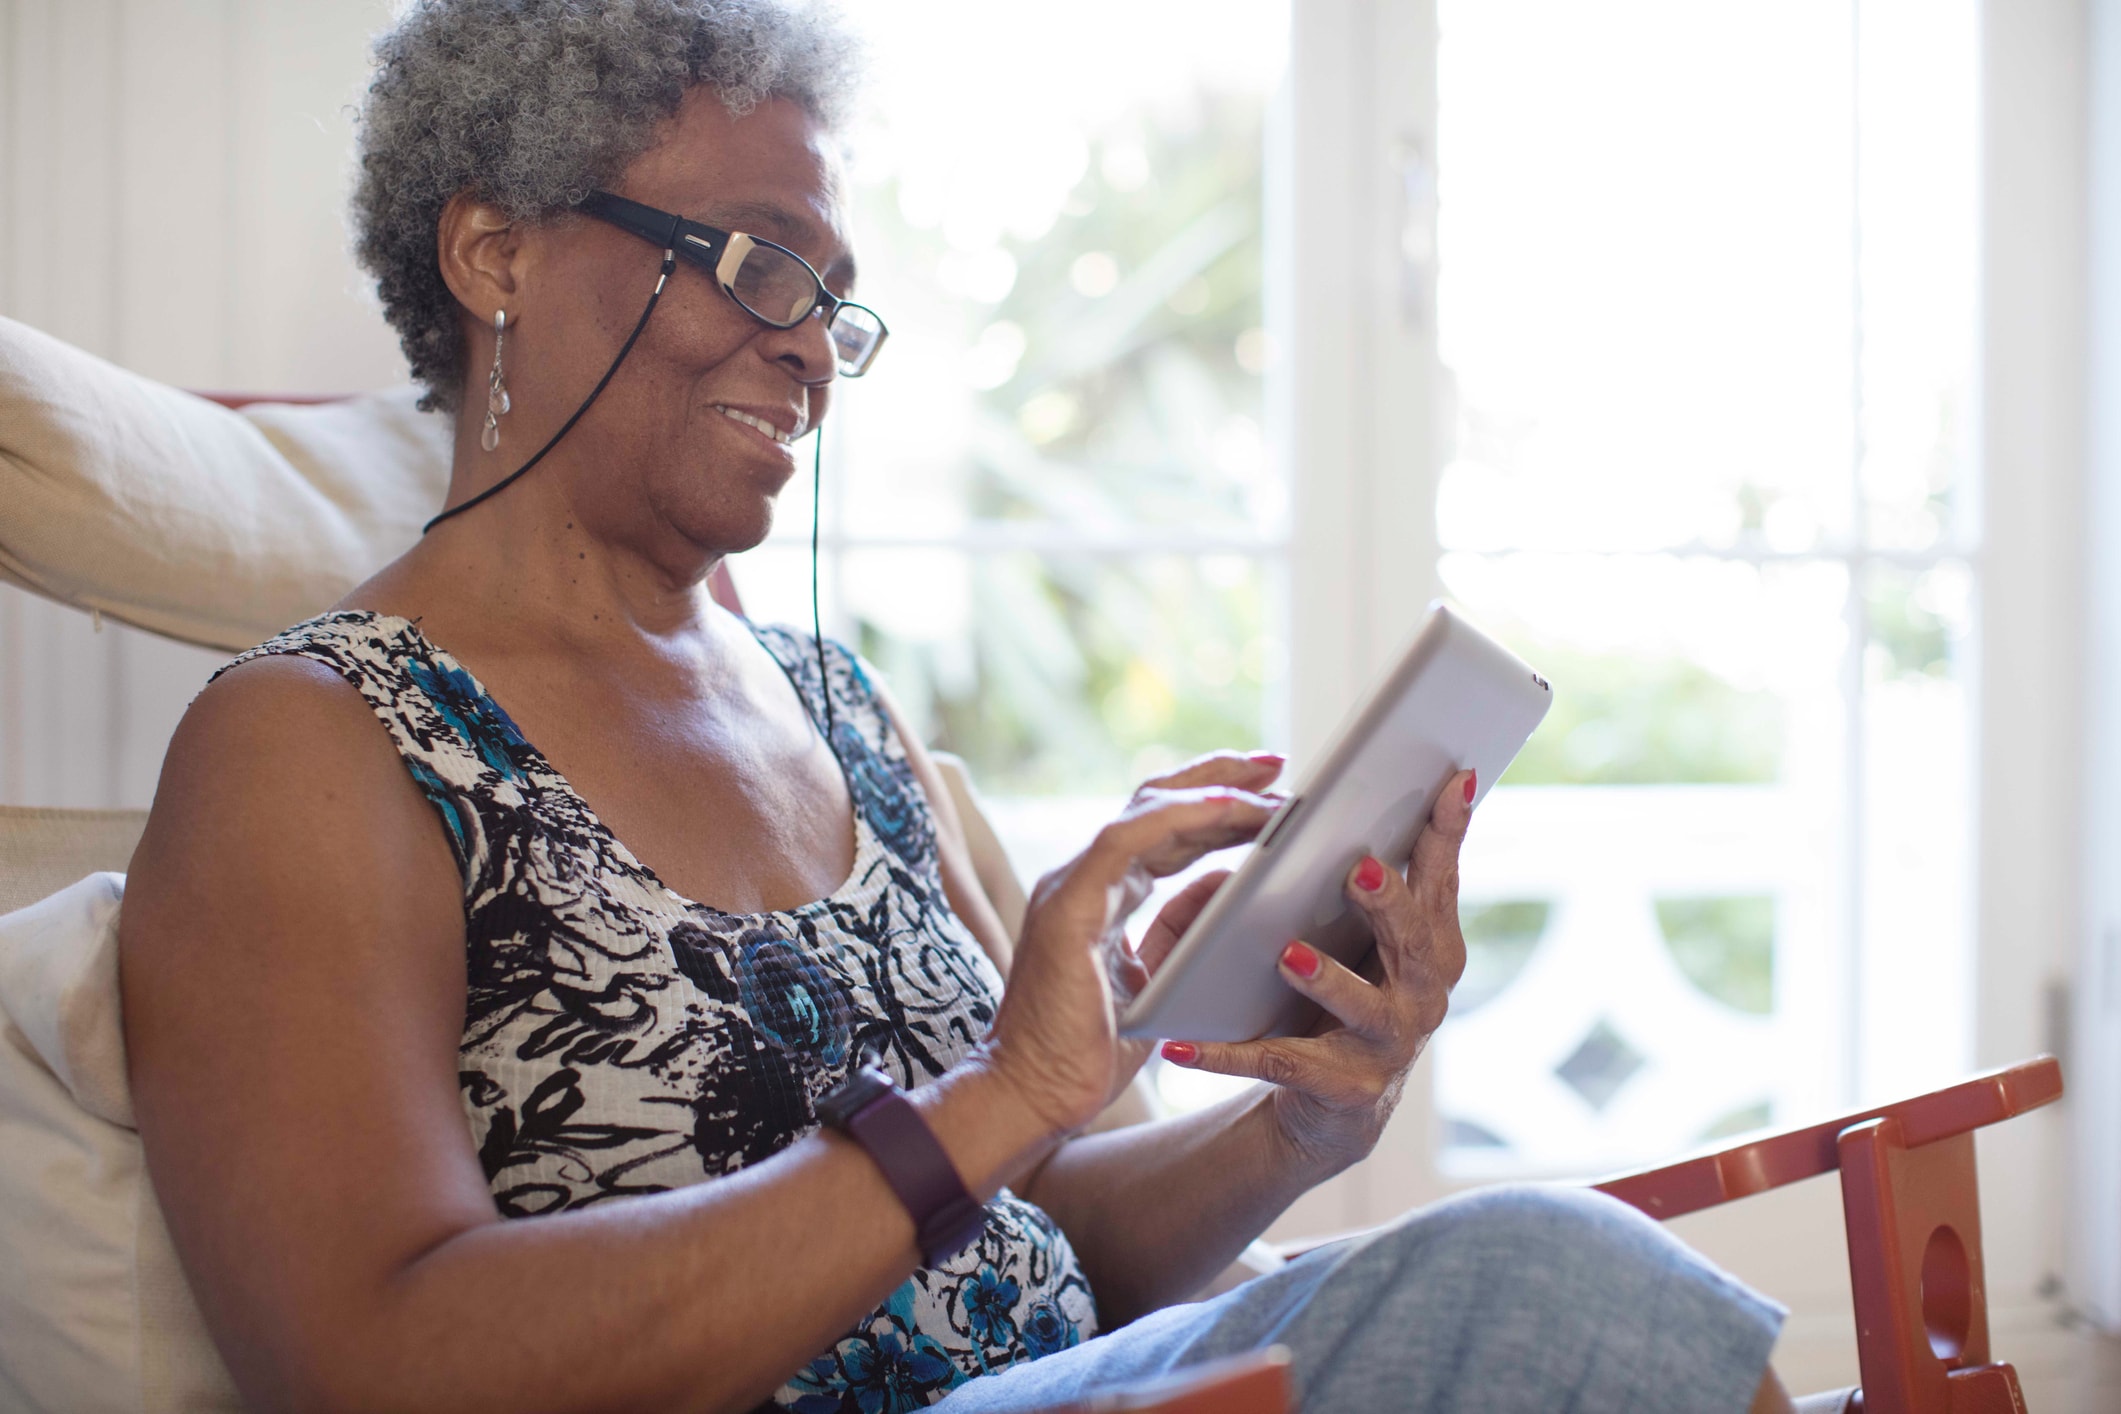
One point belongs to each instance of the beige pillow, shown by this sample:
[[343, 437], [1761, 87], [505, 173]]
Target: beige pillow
[[166, 511], [95, 1314]]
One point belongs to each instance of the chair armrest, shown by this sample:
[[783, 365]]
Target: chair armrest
[[1787, 1156], [1772, 1160], [990, 862], [1256, 1382]]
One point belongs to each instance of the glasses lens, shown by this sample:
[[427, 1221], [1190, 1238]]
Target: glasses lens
[[856, 335], [775, 285]]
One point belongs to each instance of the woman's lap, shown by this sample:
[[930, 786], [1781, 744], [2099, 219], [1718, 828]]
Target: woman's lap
[[1506, 1299]]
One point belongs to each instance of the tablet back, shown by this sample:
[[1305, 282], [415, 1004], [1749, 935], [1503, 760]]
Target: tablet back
[[1457, 698]]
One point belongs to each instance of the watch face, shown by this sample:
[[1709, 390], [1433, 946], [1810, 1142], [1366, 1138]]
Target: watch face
[[845, 1100]]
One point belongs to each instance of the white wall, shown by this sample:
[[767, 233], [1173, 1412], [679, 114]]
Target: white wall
[[2032, 378], [171, 177], [2096, 1075]]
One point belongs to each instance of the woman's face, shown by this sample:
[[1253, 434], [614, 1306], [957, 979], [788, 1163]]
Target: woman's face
[[658, 459]]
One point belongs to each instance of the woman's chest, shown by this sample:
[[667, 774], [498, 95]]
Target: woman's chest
[[616, 1045], [729, 800]]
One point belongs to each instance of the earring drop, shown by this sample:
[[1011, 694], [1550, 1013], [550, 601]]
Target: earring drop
[[496, 389]]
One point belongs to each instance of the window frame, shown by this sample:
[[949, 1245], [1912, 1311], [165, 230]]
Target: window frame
[[1351, 284]]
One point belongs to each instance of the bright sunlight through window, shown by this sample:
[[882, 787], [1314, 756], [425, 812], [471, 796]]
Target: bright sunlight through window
[[1705, 296]]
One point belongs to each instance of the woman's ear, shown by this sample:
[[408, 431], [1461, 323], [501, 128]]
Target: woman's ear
[[480, 252]]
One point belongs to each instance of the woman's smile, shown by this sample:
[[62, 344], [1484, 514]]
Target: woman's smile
[[780, 425]]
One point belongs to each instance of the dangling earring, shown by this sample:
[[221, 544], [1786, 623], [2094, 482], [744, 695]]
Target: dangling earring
[[496, 389]]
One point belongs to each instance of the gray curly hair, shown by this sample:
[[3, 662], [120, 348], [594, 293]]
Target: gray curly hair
[[533, 104]]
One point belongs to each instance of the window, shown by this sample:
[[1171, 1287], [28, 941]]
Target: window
[[1706, 293]]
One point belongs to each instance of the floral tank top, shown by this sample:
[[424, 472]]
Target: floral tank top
[[622, 1040]]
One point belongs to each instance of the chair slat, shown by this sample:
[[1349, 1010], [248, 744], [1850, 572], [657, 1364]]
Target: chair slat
[[1772, 1160]]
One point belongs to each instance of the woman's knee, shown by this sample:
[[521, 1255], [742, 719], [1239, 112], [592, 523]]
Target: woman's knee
[[1531, 1293], [1563, 1251], [1518, 1224]]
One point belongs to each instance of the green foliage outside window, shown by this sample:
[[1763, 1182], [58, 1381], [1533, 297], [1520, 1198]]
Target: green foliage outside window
[[1725, 946], [1123, 392], [1621, 719], [1089, 674], [1909, 637], [1500, 940]]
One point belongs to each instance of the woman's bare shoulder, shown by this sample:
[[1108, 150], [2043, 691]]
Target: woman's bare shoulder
[[282, 722], [281, 781]]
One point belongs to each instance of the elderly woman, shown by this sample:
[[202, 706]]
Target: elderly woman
[[529, 884]]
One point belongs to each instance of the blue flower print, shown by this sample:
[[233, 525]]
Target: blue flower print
[[820, 1385], [891, 1372], [474, 716], [792, 1001], [443, 796], [1047, 1331], [990, 1301], [883, 793]]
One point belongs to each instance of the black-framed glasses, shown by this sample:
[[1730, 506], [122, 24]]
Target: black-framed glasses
[[772, 283]]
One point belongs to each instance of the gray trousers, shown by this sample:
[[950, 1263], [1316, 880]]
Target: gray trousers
[[1504, 1300]]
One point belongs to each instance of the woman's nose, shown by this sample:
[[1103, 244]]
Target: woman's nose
[[806, 350]]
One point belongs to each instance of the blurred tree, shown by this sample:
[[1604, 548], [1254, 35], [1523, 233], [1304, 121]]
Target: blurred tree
[[1725, 946], [1626, 719], [1500, 939], [1117, 388]]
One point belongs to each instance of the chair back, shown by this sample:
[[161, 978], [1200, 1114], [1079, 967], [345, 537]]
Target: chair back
[[719, 584], [42, 851], [215, 520]]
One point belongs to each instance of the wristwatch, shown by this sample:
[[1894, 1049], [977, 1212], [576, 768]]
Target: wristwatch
[[869, 1108]]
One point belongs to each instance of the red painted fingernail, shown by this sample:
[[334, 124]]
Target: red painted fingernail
[[1181, 1052], [1370, 877], [1300, 959], [1472, 785], [1268, 758]]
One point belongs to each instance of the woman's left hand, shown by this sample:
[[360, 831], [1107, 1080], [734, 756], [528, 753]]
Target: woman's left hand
[[1336, 1087]]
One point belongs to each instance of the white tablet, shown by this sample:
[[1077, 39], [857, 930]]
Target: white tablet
[[1456, 698]]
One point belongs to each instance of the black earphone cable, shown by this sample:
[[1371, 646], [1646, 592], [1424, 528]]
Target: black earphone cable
[[670, 261], [817, 619]]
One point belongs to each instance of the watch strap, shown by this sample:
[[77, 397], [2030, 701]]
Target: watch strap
[[946, 1217]]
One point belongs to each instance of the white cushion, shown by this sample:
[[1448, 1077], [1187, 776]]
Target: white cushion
[[95, 1314], [167, 511]]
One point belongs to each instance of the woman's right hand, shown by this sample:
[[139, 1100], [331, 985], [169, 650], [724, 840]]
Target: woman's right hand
[[1056, 1036]]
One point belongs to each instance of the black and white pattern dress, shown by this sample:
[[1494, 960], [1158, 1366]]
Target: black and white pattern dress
[[622, 1040]]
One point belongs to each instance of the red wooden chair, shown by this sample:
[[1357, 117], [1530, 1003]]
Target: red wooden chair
[[1913, 1213]]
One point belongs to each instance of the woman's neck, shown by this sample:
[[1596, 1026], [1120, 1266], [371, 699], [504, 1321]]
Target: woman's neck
[[526, 568]]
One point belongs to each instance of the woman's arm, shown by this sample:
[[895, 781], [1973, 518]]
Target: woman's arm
[[1155, 1210], [294, 990]]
